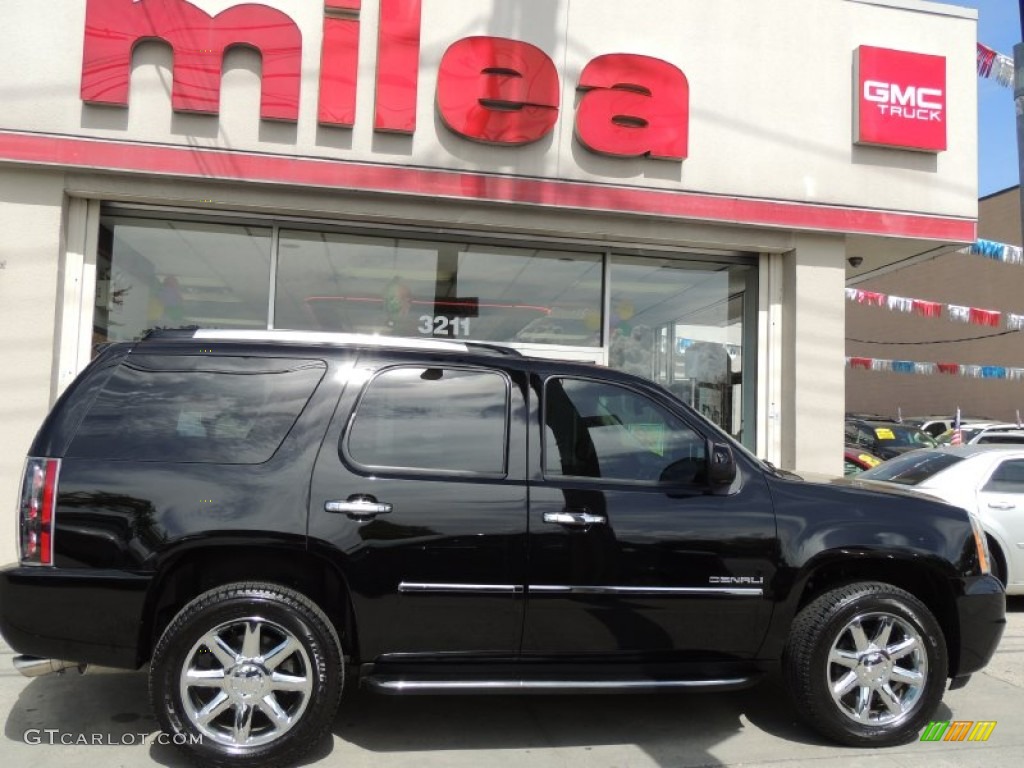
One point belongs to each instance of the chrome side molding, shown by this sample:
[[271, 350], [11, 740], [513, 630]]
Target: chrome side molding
[[558, 589], [392, 685], [416, 587]]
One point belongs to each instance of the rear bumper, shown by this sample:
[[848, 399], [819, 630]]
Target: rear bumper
[[87, 616], [981, 609]]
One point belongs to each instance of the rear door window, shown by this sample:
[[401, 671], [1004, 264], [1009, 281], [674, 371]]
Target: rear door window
[[224, 410]]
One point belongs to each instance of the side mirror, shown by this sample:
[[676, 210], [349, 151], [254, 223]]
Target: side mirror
[[721, 466]]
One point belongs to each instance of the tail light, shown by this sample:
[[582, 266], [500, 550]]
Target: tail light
[[35, 511], [981, 544]]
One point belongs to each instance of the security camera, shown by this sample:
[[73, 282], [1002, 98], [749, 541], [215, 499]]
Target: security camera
[[855, 261]]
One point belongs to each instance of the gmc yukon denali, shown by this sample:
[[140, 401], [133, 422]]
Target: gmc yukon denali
[[267, 517]]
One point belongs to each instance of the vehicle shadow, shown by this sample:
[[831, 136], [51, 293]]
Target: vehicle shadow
[[676, 730], [80, 709], [672, 729], [1015, 603]]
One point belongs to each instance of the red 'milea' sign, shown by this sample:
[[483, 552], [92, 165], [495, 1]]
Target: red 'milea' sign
[[490, 89], [900, 99]]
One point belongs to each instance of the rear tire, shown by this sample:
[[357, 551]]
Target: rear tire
[[866, 664], [247, 674]]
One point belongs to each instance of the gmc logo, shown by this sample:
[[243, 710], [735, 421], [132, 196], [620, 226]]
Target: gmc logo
[[910, 102], [495, 90], [899, 99]]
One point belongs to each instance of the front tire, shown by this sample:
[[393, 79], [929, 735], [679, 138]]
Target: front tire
[[866, 664], [247, 674]]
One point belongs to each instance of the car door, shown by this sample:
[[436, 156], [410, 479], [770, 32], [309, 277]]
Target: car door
[[1001, 505], [419, 495], [630, 555]]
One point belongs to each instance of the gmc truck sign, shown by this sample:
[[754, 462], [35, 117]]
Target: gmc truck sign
[[496, 90], [900, 99]]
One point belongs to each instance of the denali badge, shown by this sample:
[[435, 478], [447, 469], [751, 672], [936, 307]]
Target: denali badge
[[736, 579]]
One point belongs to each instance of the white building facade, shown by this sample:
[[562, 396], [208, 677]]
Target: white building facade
[[672, 188]]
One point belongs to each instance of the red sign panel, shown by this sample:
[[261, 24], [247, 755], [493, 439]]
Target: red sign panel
[[491, 89], [498, 91], [900, 99], [199, 41], [634, 106]]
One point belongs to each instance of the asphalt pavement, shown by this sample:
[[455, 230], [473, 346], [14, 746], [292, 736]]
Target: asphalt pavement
[[69, 720]]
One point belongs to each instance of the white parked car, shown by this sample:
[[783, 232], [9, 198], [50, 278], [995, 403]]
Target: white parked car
[[984, 432], [986, 480]]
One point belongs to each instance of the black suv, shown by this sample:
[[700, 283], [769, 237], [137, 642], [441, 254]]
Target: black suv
[[264, 517]]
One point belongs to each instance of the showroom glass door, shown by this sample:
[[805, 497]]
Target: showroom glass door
[[690, 326]]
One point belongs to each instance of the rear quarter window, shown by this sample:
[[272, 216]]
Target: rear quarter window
[[222, 410]]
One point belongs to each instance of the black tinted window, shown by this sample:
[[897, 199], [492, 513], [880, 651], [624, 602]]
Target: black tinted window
[[912, 468], [604, 431], [230, 410], [432, 419], [1008, 478]]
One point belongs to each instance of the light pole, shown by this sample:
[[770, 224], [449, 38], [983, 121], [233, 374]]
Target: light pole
[[1018, 99]]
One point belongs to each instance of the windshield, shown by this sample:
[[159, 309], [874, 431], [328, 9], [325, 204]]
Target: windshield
[[912, 468]]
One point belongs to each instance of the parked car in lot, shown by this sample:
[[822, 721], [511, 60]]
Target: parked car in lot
[[937, 425], [857, 460], [886, 439], [984, 433], [986, 480], [265, 517]]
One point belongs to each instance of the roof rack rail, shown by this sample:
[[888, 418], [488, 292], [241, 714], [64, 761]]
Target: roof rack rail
[[330, 338]]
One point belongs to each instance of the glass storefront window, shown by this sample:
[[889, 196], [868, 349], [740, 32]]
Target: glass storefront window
[[682, 324], [339, 282], [688, 323], [154, 273]]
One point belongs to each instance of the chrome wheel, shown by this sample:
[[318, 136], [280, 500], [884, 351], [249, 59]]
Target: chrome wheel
[[246, 682], [877, 669]]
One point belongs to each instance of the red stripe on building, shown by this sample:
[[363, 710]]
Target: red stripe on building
[[189, 162]]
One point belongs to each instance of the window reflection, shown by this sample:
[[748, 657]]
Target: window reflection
[[335, 282], [167, 274]]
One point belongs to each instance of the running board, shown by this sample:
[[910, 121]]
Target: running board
[[409, 685]]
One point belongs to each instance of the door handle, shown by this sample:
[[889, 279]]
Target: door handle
[[1001, 505], [577, 519], [358, 507]]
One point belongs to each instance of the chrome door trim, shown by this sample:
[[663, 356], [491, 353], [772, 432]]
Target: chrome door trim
[[556, 589], [417, 587]]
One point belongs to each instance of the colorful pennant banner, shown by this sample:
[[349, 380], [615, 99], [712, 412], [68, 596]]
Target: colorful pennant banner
[[928, 369], [1008, 254], [955, 312], [995, 65]]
